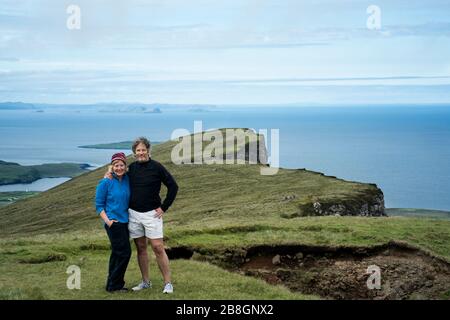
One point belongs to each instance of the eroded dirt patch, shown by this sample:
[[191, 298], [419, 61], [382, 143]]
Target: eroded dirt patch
[[341, 272]]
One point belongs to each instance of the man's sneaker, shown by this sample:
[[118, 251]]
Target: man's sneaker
[[168, 288], [142, 285]]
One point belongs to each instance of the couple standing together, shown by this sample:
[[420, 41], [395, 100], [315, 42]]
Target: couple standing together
[[127, 199]]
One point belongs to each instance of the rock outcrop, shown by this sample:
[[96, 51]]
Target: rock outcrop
[[365, 207]]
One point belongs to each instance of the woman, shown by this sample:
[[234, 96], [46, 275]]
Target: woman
[[111, 201]]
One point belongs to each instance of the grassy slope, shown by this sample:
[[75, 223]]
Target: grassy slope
[[218, 206], [212, 196], [21, 279], [12, 196]]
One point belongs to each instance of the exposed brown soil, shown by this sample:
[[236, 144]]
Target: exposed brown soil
[[339, 272]]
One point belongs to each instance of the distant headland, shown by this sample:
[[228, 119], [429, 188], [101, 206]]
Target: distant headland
[[12, 173]]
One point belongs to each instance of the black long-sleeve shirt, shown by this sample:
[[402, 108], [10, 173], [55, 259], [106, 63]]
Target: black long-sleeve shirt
[[145, 185]]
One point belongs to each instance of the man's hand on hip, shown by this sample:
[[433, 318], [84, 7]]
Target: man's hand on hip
[[159, 213]]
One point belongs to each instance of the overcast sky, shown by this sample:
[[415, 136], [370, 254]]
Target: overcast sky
[[225, 51]]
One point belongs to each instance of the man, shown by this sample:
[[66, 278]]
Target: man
[[146, 211]]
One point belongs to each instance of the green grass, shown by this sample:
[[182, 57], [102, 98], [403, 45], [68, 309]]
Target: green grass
[[446, 295], [42, 279], [11, 172], [40, 261], [218, 207], [13, 196]]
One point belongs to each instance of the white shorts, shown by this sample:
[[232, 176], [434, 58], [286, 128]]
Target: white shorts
[[145, 224]]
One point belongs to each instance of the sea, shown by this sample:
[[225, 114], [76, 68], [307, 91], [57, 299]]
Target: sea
[[404, 149]]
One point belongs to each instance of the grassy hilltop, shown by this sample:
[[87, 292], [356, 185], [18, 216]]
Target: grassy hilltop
[[221, 214]]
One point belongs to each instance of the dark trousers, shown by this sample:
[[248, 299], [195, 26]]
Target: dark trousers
[[120, 255]]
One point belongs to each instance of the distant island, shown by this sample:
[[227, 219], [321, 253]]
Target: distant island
[[16, 106], [128, 107], [132, 109], [198, 110], [113, 145], [12, 173]]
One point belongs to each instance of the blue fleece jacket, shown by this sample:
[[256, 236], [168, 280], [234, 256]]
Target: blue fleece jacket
[[113, 196]]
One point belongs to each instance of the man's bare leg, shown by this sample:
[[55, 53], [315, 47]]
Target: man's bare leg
[[161, 258]]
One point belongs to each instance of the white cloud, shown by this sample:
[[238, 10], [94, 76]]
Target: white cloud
[[180, 47]]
